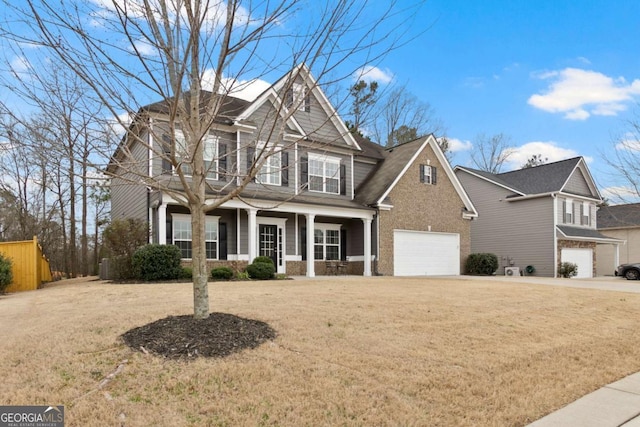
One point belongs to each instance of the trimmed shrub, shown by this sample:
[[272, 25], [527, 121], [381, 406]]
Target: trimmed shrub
[[222, 273], [261, 270], [187, 273], [263, 259], [157, 262], [567, 270], [6, 272], [482, 264], [242, 275]]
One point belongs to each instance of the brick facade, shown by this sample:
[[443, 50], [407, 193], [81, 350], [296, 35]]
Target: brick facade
[[423, 207], [575, 244]]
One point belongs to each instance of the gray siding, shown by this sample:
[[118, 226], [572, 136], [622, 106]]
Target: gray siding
[[521, 231], [128, 196], [577, 184], [361, 171]]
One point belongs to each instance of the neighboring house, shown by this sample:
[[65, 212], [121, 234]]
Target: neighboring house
[[538, 217], [365, 209], [621, 222]]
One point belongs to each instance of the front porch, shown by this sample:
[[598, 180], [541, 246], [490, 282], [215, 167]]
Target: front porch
[[237, 232]]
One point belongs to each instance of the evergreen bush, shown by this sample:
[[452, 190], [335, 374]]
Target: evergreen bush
[[6, 272], [261, 270], [157, 262], [482, 264], [567, 270], [266, 259], [222, 273]]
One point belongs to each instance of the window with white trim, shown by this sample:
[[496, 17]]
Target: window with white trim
[[568, 211], [299, 97], [271, 171], [586, 214], [324, 174], [210, 154], [326, 242], [182, 236]]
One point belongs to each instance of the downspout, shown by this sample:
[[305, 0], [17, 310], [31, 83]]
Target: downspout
[[376, 272], [554, 197]]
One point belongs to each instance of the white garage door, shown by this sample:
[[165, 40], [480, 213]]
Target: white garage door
[[418, 253], [582, 257]]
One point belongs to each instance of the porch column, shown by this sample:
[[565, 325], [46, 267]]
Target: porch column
[[616, 256], [251, 234], [311, 267], [367, 247], [162, 224]]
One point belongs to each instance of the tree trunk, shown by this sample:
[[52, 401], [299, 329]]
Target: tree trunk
[[199, 259]]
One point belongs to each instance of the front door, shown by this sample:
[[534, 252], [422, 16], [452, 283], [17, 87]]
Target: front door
[[270, 244]]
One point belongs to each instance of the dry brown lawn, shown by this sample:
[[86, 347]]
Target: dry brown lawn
[[354, 351]]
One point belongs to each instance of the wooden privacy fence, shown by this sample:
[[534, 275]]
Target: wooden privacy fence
[[29, 265]]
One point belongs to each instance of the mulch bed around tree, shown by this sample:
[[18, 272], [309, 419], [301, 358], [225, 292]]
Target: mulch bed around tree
[[185, 337]]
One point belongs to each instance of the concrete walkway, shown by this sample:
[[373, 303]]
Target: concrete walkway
[[615, 405]]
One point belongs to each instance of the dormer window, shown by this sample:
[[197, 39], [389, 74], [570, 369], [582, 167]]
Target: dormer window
[[298, 96]]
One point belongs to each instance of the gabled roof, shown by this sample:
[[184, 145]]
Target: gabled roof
[[543, 179], [369, 148], [392, 168], [230, 108], [275, 92], [619, 216]]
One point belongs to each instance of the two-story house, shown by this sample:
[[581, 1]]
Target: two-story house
[[324, 201], [536, 217]]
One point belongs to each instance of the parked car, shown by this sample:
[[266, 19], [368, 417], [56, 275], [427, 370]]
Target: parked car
[[629, 271]]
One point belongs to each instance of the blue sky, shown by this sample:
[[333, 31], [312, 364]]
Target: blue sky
[[560, 78], [562, 74]]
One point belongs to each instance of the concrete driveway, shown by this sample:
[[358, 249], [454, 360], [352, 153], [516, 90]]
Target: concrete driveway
[[608, 283]]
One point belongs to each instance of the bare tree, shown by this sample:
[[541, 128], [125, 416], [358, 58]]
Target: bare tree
[[490, 153], [402, 117], [133, 53], [624, 160]]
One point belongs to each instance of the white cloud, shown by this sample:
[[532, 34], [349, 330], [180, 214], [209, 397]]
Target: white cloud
[[458, 145], [145, 48], [578, 93], [620, 194], [628, 143], [370, 73], [248, 90], [20, 64], [549, 150]]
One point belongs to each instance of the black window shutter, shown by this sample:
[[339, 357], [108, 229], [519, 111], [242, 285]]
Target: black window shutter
[[250, 160], [343, 179], [304, 172], [343, 244], [303, 242], [433, 175], [169, 234], [222, 162], [222, 241], [564, 211], [284, 164], [166, 149], [422, 173]]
